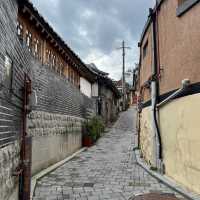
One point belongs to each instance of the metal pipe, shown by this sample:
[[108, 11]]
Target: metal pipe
[[26, 148], [157, 151], [185, 84]]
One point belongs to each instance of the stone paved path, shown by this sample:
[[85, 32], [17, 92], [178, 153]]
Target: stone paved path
[[107, 170]]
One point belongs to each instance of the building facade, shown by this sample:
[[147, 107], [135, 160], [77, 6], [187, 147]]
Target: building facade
[[47, 46], [168, 90], [128, 94], [106, 95], [30, 48], [14, 64]]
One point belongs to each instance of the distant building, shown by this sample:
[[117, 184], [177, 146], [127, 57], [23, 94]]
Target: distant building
[[118, 84], [106, 95]]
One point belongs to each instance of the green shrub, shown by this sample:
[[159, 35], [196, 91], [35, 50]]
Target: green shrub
[[94, 127]]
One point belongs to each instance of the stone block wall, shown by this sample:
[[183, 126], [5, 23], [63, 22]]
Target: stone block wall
[[55, 136], [9, 161], [56, 121]]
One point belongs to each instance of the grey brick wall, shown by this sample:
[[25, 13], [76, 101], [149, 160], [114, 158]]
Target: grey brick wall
[[10, 99], [55, 96], [11, 95], [56, 122]]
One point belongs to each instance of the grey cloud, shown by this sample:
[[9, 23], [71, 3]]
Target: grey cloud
[[105, 24]]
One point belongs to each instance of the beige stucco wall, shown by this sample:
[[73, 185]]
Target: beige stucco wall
[[180, 131], [146, 135]]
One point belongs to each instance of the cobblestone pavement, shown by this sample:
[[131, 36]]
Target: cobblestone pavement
[[107, 170]]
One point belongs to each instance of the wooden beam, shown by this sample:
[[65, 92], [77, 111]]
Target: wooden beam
[[31, 17], [24, 9], [52, 40], [37, 24], [48, 36], [55, 44]]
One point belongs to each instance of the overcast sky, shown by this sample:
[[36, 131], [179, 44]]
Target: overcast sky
[[95, 28]]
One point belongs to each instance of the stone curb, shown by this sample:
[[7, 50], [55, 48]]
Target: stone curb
[[44, 172], [166, 180]]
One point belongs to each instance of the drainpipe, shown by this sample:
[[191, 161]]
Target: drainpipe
[[185, 84], [157, 144], [26, 146]]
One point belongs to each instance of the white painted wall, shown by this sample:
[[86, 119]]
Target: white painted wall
[[85, 87], [95, 88]]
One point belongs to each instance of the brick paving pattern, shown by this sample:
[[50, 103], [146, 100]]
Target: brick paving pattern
[[108, 170]]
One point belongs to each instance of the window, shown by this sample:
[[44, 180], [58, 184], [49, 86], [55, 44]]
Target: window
[[54, 62], [47, 57], [60, 67], [72, 76], [62, 71], [20, 30], [28, 39], [145, 49], [57, 65], [7, 78], [69, 78], [184, 6], [36, 48]]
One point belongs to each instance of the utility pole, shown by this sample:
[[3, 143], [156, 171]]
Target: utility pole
[[123, 47]]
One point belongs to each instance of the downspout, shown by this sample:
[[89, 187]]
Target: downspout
[[157, 143], [185, 85]]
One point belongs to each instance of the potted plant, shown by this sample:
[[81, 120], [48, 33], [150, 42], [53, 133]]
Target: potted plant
[[86, 137], [92, 130]]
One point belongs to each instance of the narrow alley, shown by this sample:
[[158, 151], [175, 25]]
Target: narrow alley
[[108, 170]]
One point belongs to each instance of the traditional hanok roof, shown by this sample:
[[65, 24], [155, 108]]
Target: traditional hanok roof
[[104, 79], [25, 6], [94, 69]]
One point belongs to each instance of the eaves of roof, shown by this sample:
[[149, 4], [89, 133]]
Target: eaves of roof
[[59, 40], [148, 22]]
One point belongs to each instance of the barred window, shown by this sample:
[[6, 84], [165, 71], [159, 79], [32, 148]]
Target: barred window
[[54, 62], [48, 57], [36, 48], [19, 30], [28, 39], [59, 70]]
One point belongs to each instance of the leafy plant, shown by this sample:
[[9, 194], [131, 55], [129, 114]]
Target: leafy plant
[[94, 127]]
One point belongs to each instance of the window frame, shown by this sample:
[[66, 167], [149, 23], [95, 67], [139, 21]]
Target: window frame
[[28, 39], [20, 30]]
